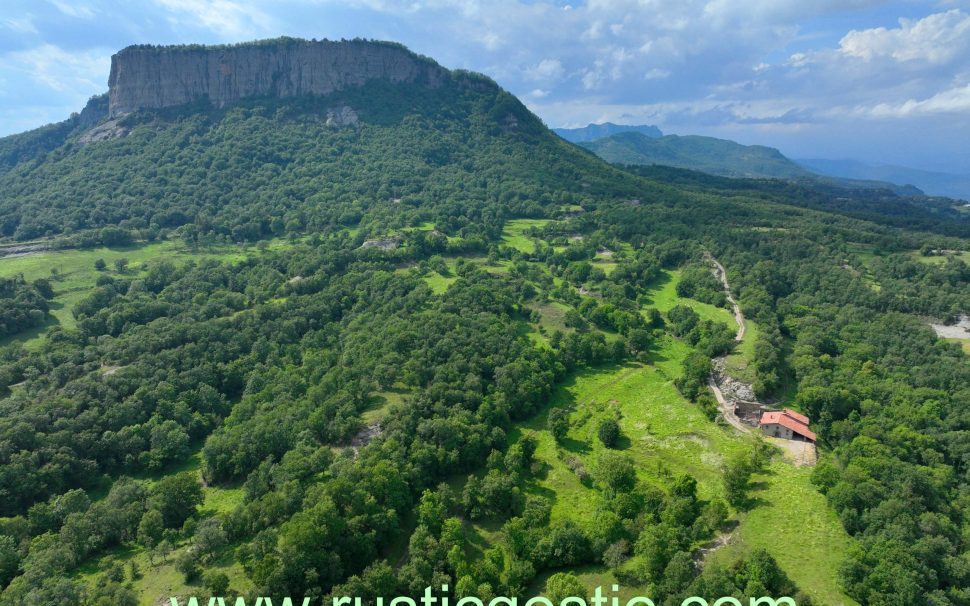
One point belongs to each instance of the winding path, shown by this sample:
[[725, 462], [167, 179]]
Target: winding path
[[727, 410], [721, 274]]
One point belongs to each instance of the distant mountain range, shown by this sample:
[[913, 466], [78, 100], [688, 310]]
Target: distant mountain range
[[933, 183], [593, 132], [706, 154], [646, 145]]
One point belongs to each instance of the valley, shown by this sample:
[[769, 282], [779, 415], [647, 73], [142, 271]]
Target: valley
[[381, 330]]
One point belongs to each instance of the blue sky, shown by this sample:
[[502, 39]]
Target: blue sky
[[877, 81]]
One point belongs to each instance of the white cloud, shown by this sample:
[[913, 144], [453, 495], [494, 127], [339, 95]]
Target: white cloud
[[954, 100], [23, 25], [225, 18], [83, 73], [547, 69], [934, 39], [75, 8]]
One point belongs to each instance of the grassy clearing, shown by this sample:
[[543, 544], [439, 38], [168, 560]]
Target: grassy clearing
[[439, 284], [73, 275], [963, 343], [382, 402], [553, 317], [513, 234], [160, 579], [739, 363], [663, 433], [940, 259], [663, 296], [795, 524]]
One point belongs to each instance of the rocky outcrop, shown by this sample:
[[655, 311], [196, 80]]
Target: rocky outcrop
[[153, 77], [111, 129], [94, 111], [342, 116]]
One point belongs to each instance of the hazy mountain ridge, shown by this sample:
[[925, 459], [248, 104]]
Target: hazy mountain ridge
[[932, 182], [591, 132], [707, 154], [724, 158]]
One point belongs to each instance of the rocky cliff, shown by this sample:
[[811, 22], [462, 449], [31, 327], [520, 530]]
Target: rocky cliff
[[151, 77]]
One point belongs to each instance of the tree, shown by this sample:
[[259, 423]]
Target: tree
[[121, 264], [564, 585], [150, 528], [188, 565], [217, 582], [44, 287], [558, 423], [100, 265], [616, 472], [9, 559], [737, 475], [134, 572], [209, 538], [432, 510], [639, 340], [177, 497], [609, 432], [678, 573]]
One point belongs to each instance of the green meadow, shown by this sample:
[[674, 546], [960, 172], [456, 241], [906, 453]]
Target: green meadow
[[513, 234], [795, 524], [72, 273]]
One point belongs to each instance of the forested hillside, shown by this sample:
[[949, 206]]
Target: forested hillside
[[402, 336]]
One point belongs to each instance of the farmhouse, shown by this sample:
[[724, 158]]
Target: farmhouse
[[786, 423]]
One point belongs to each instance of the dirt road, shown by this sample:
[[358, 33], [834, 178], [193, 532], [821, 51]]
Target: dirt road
[[727, 409], [721, 274]]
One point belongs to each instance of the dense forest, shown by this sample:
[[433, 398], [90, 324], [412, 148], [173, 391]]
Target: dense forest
[[267, 371], [22, 305]]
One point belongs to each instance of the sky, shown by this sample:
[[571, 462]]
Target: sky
[[878, 81]]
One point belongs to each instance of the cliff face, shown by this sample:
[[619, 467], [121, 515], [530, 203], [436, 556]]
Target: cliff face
[[156, 77]]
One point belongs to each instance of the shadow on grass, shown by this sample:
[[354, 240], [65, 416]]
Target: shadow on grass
[[574, 446]]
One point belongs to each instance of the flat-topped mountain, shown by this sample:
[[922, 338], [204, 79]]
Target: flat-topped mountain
[[152, 77]]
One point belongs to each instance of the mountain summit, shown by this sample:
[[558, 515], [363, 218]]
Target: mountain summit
[[153, 77]]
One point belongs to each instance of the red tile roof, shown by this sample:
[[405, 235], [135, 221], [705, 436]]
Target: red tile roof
[[790, 419], [796, 415]]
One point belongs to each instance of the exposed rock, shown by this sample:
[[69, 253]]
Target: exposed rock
[[510, 123], [112, 129], [22, 250], [382, 243], [731, 387], [94, 111], [960, 330], [342, 116], [149, 77], [366, 435]]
